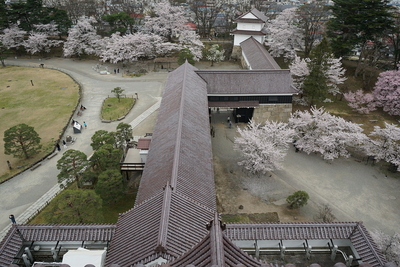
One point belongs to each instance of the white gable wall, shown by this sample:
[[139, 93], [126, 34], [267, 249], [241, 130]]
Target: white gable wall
[[249, 16], [241, 37], [249, 26]]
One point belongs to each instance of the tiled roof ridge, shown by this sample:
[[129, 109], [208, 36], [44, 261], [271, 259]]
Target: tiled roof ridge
[[8, 236], [247, 32], [227, 240], [194, 201], [371, 243], [164, 220], [52, 226], [256, 13], [174, 175], [216, 244]]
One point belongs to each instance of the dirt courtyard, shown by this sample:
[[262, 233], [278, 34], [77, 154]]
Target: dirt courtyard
[[235, 187]]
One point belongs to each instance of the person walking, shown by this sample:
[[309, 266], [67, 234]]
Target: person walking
[[84, 124], [65, 144], [12, 218], [58, 147], [9, 165]]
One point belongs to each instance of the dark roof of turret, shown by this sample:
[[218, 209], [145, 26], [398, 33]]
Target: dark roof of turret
[[257, 56]]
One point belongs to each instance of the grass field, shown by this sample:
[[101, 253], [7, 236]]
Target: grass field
[[113, 109], [46, 105]]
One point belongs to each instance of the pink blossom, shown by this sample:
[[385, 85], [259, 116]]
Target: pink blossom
[[387, 91], [361, 102]]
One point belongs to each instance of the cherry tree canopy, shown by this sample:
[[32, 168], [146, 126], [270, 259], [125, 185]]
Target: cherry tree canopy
[[82, 38], [299, 70], [318, 75], [334, 74], [190, 40], [387, 91], [360, 102], [167, 21], [388, 245], [39, 41], [215, 54], [131, 47], [263, 147], [13, 37], [384, 144], [319, 131], [285, 35]]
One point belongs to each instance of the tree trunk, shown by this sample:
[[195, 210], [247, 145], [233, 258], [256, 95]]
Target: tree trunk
[[360, 64]]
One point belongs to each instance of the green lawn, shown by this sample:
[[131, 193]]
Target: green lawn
[[114, 108], [46, 105]]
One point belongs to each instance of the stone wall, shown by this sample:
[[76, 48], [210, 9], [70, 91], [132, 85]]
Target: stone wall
[[236, 52], [272, 112]]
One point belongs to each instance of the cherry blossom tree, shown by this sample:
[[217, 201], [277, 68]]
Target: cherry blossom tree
[[131, 47], [360, 102], [319, 75], [299, 70], [388, 245], [284, 35], [215, 54], [334, 74], [190, 40], [167, 20], [13, 37], [263, 147], [329, 135], [39, 39], [82, 38], [387, 91], [384, 144]]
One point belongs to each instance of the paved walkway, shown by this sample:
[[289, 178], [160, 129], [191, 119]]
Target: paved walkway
[[355, 191], [30, 190]]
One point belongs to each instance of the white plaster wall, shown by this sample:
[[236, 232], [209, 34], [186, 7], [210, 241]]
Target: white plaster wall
[[249, 16], [249, 26], [241, 37]]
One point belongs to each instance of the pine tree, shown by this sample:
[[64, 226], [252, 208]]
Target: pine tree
[[356, 22], [21, 141], [75, 206]]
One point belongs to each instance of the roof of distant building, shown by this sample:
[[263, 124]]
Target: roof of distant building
[[257, 56], [255, 82], [143, 143], [259, 15]]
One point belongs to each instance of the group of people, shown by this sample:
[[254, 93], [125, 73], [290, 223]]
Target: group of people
[[64, 145], [73, 122]]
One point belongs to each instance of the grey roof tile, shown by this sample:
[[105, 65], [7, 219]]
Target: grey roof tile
[[257, 56], [176, 197], [259, 15], [255, 82]]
